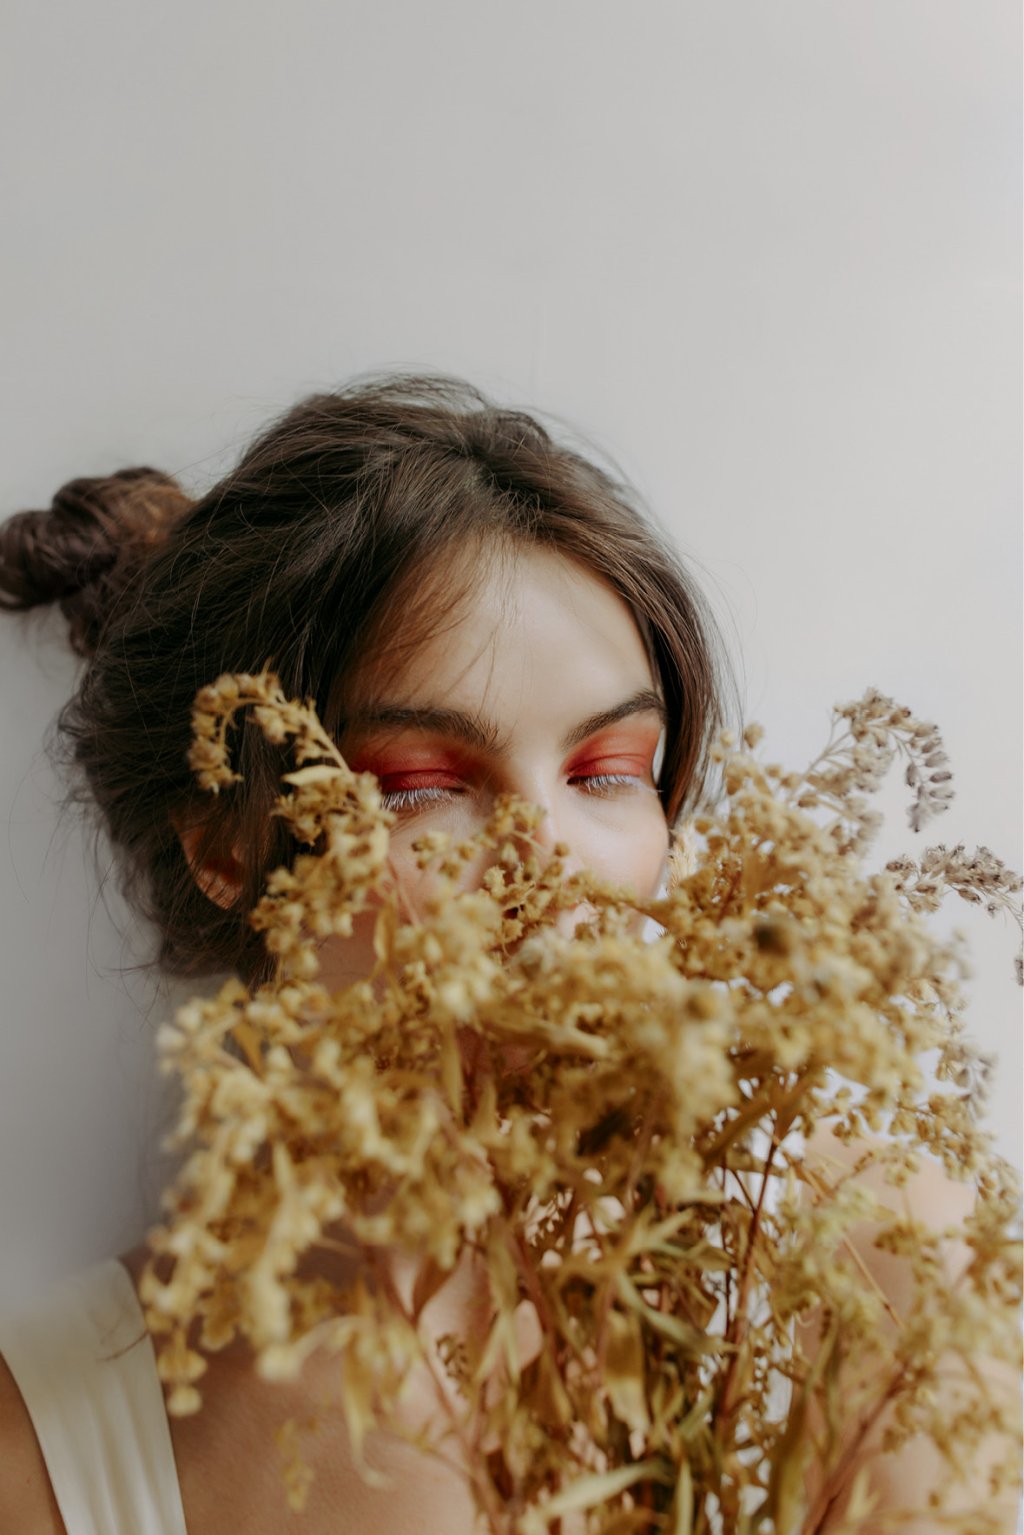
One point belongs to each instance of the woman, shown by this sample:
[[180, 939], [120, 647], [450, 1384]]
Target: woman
[[475, 609]]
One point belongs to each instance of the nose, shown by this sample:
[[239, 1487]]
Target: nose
[[551, 832]]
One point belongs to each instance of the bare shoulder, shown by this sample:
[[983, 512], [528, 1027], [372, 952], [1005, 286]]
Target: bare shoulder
[[934, 1195], [939, 1202], [930, 1193], [223, 1490], [27, 1503]]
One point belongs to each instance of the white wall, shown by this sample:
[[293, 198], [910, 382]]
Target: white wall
[[767, 254]]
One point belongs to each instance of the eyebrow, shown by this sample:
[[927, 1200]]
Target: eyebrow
[[478, 732]]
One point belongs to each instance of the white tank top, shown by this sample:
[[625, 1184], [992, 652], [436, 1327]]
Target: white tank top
[[84, 1364]]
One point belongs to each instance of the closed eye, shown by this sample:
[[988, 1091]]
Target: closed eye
[[414, 799], [607, 783]]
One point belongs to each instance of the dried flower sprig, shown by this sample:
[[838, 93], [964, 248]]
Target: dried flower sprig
[[855, 762], [610, 1125]]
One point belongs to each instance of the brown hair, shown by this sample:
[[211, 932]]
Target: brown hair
[[301, 559]]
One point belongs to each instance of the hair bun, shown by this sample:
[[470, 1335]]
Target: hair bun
[[81, 553]]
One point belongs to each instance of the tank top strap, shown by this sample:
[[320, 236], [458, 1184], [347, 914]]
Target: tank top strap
[[85, 1366]]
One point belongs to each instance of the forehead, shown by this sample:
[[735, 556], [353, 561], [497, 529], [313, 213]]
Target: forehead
[[528, 625]]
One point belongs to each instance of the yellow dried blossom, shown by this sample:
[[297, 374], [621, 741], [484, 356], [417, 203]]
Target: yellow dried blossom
[[635, 1182]]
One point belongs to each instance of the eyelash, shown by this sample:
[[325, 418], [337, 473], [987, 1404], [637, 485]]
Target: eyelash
[[414, 799]]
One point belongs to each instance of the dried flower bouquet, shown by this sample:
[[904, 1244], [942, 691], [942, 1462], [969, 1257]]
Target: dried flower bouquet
[[612, 1123]]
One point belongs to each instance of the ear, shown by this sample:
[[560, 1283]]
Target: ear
[[219, 876]]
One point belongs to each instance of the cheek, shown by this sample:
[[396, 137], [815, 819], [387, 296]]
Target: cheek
[[633, 853], [649, 859], [411, 886], [345, 960]]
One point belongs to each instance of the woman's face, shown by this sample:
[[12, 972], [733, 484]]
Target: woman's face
[[542, 688]]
